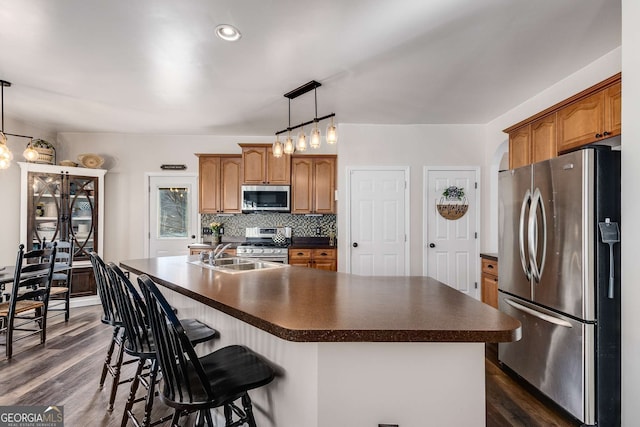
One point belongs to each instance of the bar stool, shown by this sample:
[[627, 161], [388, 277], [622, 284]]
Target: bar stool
[[110, 317], [200, 384], [140, 344]]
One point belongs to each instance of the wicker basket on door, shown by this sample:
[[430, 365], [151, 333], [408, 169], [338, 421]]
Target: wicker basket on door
[[452, 211]]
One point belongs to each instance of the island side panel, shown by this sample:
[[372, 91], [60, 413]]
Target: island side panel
[[355, 383], [409, 384], [291, 400]]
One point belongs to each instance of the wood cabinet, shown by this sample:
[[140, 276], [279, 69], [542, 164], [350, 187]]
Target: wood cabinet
[[83, 282], [219, 183], [590, 116], [196, 251], [543, 139], [322, 259], [313, 184], [520, 147], [489, 279], [261, 167], [591, 119]]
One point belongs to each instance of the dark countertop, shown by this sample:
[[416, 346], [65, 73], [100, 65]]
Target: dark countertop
[[489, 255], [310, 305]]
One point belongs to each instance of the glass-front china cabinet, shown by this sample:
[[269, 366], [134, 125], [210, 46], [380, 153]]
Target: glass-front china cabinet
[[64, 203]]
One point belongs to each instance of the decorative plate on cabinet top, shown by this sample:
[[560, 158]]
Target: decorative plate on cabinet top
[[68, 163], [91, 161]]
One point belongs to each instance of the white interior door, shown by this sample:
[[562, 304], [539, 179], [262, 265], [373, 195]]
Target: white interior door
[[377, 222], [451, 246], [173, 214]]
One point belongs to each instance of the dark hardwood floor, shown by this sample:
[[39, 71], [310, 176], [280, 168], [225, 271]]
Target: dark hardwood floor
[[66, 372]]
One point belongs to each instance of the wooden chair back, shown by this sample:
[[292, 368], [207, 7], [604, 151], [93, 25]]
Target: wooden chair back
[[132, 311], [175, 353]]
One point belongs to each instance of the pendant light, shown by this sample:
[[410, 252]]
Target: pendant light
[[5, 154], [30, 153], [277, 148], [315, 136], [301, 145], [289, 148], [332, 133]]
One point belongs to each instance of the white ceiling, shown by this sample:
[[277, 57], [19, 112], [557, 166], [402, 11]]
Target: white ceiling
[[155, 66]]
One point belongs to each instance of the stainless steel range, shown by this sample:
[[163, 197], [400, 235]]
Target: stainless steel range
[[269, 244]]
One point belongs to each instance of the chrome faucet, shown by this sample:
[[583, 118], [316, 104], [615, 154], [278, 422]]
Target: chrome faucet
[[219, 250]]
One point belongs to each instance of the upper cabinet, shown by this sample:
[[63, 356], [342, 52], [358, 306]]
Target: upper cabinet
[[590, 119], [587, 117], [313, 184], [220, 181], [261, 167]]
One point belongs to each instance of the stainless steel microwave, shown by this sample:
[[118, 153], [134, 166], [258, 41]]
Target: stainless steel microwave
[[268, 198]]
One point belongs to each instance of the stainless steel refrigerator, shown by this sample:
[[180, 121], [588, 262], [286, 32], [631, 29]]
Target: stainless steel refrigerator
[[557, 279]]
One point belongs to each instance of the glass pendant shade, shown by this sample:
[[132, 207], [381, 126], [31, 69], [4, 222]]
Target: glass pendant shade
[[288, 146], [5, 154], [332, 133], [30, 153], [277, 148], [301, 145], [314, 137]]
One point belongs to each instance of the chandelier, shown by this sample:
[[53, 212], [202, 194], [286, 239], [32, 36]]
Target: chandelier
[[288, 147]]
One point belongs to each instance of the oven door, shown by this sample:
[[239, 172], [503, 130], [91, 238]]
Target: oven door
[[269, 198]]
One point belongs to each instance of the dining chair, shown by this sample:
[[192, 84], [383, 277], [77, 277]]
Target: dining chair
[[192, 383], [60, 293], [139, 342], [26, 310]]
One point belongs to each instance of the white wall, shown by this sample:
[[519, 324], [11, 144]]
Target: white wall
[[597, 71], [630, 226], [128, 157], [415, 146], [10, 186]]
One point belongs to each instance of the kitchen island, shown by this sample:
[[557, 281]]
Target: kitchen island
[[350, 350]]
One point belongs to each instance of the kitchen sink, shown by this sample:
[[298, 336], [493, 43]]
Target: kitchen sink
[[237, 265]]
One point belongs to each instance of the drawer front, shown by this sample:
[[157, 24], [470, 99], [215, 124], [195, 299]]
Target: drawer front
[[490, 267], [299, 254], [324, 254]]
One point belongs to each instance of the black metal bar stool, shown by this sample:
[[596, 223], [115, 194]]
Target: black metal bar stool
[[199, 384], [140, 343]]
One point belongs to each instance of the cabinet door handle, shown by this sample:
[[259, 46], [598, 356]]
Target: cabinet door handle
[[323, 254], [598, 135], [490, 266], [300, 253], [606, 133]]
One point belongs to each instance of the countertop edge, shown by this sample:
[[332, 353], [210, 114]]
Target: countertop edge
[[508, 334]]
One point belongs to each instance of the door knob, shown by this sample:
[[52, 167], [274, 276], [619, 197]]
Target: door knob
[[193, 236], [355, 244], [432, 245]]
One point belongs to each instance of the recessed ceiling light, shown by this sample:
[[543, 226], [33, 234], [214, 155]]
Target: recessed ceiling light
[[228, 32]]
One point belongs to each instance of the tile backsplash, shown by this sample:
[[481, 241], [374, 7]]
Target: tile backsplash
[[301, 225]]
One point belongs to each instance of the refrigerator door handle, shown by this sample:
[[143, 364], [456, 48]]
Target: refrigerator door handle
[[539, 315], [523, 258], [536, 270]]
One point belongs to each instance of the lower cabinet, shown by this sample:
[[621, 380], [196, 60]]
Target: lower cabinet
[[196, 251], [322, 259], [490, 282], [83, 282]]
